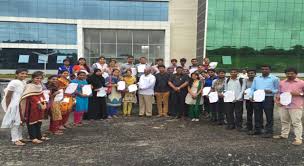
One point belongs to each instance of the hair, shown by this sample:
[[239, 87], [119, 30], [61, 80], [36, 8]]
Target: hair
[[85, 65], [179, 67], [115, 70], [193, 59], [52, 76], [291, 69], [20, 70], [183, 60], [130, 56], [191, 80], [101, 57], [37, 74], [128, 70], [96, 70], [159, 66], [142, 58], [221, 71], [67, 59], [112, 59], [234, 69], [173, 60], [62, 71], [266, 65], [159, 59], [81, 72], [213, 70], [249, 70]]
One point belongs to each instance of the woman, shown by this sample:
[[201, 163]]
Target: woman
[[206, 63], [101, 64], [129, 97], [97, 104], [114, 98], [112, 65], [82, 100], [55, 112], [66, 66], [193, 98], [10, 105], [33, 106], [65, 107], [81, 65]]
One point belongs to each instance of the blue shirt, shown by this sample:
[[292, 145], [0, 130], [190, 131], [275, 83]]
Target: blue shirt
[[208, 81], [70, 69], [265, 83]]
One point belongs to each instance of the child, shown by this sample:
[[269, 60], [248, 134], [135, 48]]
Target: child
[[82, 101], [129, 97], [10, 105], [55, 112], [32, 106], [114, 97], [193, 98]]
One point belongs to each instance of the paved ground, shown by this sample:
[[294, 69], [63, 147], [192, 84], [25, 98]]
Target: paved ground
[[152, 141]]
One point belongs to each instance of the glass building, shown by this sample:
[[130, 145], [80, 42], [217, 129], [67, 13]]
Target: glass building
[[32, 29], [249, 33]]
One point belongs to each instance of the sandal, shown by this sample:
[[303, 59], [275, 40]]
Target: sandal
[[19, 143], [45, 138], [62, 128], [36, 141], [58, 133]]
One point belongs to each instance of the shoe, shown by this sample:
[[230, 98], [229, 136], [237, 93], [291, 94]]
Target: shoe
[[19, 143], [193, 120], [267, 135], [254, 132], [196, 120], [109, 117], [279, 137], [297, 142]]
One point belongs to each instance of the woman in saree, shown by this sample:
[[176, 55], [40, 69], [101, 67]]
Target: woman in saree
[[10, 105], [54, 106], [194, 97], [33, 106]]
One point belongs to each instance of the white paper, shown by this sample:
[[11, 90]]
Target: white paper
[[141, 68], [46, 94], [87, 90], [192, 70], [102, 92], [285, 98], [229, 96], [259, 96], [213, 97], [213, 65], [66, 100], [71, 88], [132, 88], [206, 91], [59, 96], [121, 85], [23, 59], [105, 75], [247, 94], [134, 72]]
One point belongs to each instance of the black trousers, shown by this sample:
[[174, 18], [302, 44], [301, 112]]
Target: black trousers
[[34, 130], [218, 111], [235, 114], [249, 109], [207, 105], [266, 106], [177, 103]]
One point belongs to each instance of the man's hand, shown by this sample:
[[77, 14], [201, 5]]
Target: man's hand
[[295, 94]]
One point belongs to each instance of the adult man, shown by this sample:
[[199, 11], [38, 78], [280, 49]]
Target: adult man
[[159, 61], [173, 65], [178, 83], [146, 91], [251, 73], [162, 91], [142, 66], [269, 84], [128, 65], [66, 66], [208, 83], [234, 108], [194, 66], [291, 114], [183, 62]]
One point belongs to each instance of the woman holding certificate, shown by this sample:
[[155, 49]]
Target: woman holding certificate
[[129, 97], [114, 96], [82, 98]]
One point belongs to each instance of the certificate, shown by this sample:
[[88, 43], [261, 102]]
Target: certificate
[[121, 85], [105, 75], [134, 72], [102, 92], [213, 97], [66, 100], [46, 94], [71, 88], [132, 88], [206, 91], [247, 94], [259, 96], [141, 68], [87, 90], [229, 96], [59, 96], [285, 98], [213, 65]]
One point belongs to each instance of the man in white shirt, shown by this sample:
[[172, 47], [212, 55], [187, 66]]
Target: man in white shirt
[[141, 66], [146, 92]]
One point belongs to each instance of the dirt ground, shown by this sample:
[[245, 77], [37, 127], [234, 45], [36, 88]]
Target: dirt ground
[[152, 141]]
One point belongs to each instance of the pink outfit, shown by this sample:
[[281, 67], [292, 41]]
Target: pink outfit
[[293, 86], [78, 117]]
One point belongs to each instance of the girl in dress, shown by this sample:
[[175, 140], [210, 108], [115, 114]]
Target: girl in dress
[[114, 97], [129, 97], [33, 106], [97, 104], [193, 98], [81, 65], [10, 105], [55, 112], [82, 100]]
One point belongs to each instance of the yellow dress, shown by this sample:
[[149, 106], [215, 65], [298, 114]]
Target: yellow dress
[[129, 97]]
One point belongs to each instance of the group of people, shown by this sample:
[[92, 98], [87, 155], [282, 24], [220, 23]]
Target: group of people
[[178, 91]]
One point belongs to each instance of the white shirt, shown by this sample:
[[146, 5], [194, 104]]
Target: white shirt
[[234, 85], [146, 84]]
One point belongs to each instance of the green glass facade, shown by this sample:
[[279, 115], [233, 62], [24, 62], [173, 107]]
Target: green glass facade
[[256, 32]]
